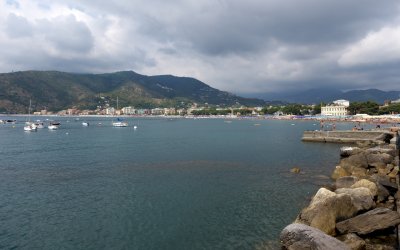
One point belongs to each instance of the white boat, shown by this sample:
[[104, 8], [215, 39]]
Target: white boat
[[85, 124], [30, 126], [39, 124], [120, 124], [52, 127]]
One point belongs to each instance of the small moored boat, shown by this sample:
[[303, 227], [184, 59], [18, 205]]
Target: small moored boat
[[120, 123], [53, 125]]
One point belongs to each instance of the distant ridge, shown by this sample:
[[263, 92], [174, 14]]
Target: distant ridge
[[54, 90], [315, 96]]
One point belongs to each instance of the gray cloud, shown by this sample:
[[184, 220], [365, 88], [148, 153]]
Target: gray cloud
[[18, 27], [67, 34], [239, 46]]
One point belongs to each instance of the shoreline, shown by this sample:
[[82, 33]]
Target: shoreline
[[360, 210], [384, 119]]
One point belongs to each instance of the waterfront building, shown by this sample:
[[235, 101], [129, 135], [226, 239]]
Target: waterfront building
[[395, 101], [110, 111], [169, 111], [157, 111], [72, 111], [341, 103], [337, 108], [128, 110]]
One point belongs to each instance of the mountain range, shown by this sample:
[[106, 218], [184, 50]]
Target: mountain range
[[54, 90], [326, 95]]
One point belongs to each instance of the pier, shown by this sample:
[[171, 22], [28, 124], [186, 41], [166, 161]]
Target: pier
[[349, 136]]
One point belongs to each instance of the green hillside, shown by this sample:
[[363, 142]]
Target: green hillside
[[53, 90]]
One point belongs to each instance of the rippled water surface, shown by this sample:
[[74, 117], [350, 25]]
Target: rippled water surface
[[169, 184]]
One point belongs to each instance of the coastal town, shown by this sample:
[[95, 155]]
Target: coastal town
[[336, 110]]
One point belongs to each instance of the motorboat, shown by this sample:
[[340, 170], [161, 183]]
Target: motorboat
[[85, 124], [120, 124], [11, 121], [39, 124], [52, 127]]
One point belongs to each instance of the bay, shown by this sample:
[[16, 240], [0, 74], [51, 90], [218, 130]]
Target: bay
[[169, 184]]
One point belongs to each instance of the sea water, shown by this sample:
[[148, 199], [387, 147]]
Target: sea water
[[169, 184]]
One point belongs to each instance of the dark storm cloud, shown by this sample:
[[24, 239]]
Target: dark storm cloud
[[242, 26], [239, 46]]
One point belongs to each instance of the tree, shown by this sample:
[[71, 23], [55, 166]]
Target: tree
[[369, 107], [317, 108]]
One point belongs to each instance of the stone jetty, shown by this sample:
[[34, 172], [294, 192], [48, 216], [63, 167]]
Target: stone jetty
[[349, 136], [361, 210]]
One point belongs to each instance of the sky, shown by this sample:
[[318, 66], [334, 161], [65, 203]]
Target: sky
[[244, 47]]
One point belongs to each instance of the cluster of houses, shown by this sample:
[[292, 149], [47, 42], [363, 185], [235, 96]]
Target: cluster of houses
[[336, 108], [138, 111]]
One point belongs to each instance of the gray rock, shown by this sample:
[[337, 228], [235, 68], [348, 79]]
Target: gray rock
[[358, 160], [347, 151], [379, 247], [385, 181], [383, 193], [352, 241], [299, 236], [361, 197], [377, 219], [388, 150], [346, 181], [380, 158]]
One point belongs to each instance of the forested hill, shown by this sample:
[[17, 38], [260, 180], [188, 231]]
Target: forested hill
[[54, 90]]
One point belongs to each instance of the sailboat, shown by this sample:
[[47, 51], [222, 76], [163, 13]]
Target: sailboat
[[30, 126], [119, 122]]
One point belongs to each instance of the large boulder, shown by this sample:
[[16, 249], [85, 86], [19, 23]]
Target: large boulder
[[358, 160], [325, 209], [339, 172], [345, 181], [385, 181], [377, 219], [378, 159], [300, 236], [367, 184], [361, 197], [352, 241], [383, 193], [388, 150], [359, 172], [347, 151], [394, 172]]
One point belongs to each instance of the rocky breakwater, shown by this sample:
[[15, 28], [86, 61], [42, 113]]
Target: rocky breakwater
[[359, 210]]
